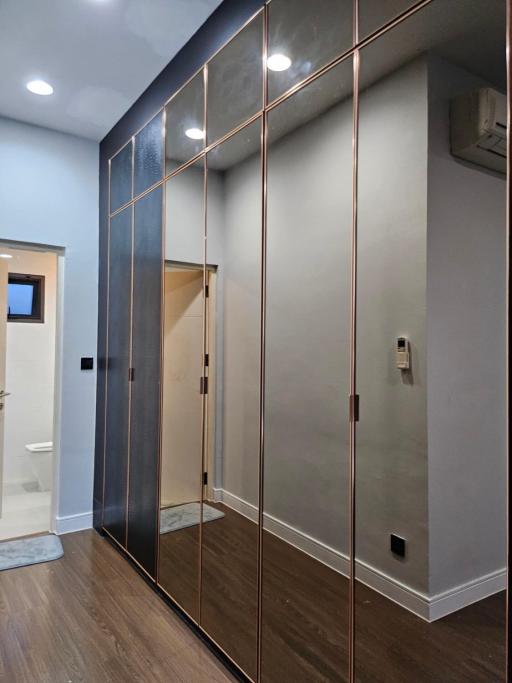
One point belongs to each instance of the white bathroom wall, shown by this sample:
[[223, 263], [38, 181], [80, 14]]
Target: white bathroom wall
[[49, 195], [182, 367], [30, 371]]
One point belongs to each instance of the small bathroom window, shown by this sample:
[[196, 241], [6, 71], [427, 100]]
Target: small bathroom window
[[25, 298]]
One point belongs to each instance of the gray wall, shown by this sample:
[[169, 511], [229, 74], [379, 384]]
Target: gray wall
[[417, 251], [241, 344], [49, 195], [308, 327], [466, 351], [391, 475]]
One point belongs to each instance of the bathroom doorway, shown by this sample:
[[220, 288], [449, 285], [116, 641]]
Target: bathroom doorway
[[183, 366], [28, 296]]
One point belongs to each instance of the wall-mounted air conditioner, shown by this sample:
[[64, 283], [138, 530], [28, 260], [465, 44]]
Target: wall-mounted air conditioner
[[479, 128]]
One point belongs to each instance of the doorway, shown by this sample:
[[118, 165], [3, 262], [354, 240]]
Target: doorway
[[28, 295], [183, 404]]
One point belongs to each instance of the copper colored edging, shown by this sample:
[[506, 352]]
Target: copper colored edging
[[107, 316], [263, 298], [204, 350], [508, 620], [263, 113], [130, 365], [284, 96], [353, 387], [162, 341]]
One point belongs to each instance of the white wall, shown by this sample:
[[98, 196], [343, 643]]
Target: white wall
[[182, 403], [30, 371], [466, 351], [49, 194]]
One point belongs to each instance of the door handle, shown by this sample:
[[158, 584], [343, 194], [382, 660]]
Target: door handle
[[3, 394]]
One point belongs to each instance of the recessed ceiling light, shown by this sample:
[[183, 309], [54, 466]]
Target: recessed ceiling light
[[195, 133], [5, 255], [278, 62], [40, 87]]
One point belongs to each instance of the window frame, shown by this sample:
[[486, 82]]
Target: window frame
[[38, 282]]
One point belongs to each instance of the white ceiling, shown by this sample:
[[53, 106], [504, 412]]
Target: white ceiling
[[99, 55]]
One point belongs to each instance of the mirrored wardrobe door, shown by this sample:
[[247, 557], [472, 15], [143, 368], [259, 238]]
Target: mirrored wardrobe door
[[184, 124], [430, 500], [235, 81], [182, 402], [306, 497], [374, 14], [304, 36], [229, 595]]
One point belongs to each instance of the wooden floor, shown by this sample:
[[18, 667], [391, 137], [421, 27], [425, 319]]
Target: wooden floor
[[229, 609], [305, 616], [89, 617]]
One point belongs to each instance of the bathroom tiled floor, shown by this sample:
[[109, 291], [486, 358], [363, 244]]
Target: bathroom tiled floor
[[24, 511]]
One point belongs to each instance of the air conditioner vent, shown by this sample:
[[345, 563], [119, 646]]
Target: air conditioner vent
[[479, 128]]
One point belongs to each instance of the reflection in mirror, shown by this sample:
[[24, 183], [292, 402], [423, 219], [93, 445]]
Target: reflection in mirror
[[182, 404], [235, 81], [430, 458], [229, 597], [303, 37], [373, 14], [184, 225], [307, 383], [184, 124]]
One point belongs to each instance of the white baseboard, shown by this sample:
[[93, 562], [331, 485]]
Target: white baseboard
[[430, 608], [71, 523], [467, 594]]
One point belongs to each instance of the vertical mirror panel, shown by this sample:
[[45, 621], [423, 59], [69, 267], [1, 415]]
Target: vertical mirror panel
[[145, 391], [235, 81], [149, 155], [118, 363], [374, 14], [307, 384], [184, 124], [121, 168], [430, 499], [182, 402], [229, 596], [303, 37], [184, 225]]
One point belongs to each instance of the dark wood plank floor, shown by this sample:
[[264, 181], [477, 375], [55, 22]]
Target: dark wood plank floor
[[305, 617], [229, 610], [178, 571], [89, 617]]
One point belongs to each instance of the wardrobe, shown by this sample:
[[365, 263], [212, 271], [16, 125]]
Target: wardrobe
[[302, 419]]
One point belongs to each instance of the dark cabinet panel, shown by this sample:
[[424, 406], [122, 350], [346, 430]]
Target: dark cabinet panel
[[116, 460], [149, 155], [121, 178], [145, 396]]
